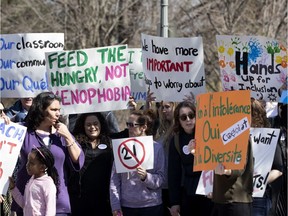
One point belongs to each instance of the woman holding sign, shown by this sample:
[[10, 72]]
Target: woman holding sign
[[89, 188], [44, 129], [139, 192], [182, 181]]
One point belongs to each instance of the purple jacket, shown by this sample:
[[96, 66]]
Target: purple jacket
[[63, 164]]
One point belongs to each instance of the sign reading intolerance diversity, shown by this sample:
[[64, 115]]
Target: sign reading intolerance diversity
[[22, 62], [253, 63], [11, 139], [264, 142], [137, 77], [222, 129], [173, 66], [90, 80]]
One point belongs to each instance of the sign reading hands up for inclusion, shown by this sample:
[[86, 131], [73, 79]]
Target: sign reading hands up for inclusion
[[129, 153], [11, 140]]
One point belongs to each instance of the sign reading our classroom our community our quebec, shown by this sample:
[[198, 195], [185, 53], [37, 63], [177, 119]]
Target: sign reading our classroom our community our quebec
[[90, 79], [22, 62], [222, 129]]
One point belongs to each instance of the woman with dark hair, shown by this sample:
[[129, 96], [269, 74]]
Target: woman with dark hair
[[89, 188], [138, 193], [182, 181], [44, 129]]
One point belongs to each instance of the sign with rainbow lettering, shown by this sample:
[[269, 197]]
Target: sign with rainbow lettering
[[90, 80], [253, 63]]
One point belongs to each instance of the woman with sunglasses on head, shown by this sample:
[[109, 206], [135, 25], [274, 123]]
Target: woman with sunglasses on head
[[44, 129], [89, 188], [41, 190], [139, 192], [182, 181]]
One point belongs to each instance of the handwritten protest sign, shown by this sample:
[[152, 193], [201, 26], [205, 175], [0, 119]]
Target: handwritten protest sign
[[222, 129], [90, 80], [129, 153], [22, 62], [173, 67], [137, 77], [264, 141], [252, 63], [11, 139]]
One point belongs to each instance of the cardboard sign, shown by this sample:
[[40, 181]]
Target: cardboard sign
[[252, 63], [174, 67], [90, 80], [129, 153], [222, 129], [11, 140], [22, 62]]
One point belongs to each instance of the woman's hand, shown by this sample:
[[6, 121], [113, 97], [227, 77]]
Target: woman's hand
[[141, 172], [175, 210], [131, 103], [117, 213], [192, 146], [1, 198], [220, 170]]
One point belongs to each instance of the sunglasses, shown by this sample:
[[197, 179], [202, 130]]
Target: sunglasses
[[53, 96], [190, 115], [132, 124]]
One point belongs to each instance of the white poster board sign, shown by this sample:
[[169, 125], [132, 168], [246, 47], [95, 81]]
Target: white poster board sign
[[137, 77], [174, 67], [129, 153], [11, 140], [90, 80], [22, 62]]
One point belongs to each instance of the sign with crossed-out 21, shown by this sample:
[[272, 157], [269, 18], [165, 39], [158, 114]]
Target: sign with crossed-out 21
[[129, 153]]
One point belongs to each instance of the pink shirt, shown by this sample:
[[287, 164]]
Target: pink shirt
[[39, 197]]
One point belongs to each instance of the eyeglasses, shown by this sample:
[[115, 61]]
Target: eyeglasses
[[132, 124], [190, 115], [53, 96]]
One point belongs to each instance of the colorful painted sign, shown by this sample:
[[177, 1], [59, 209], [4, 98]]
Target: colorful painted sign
[[22, 62], [129, 153], [222, 129], [253, 63], [90, 80], [174, 67], [11, 140]]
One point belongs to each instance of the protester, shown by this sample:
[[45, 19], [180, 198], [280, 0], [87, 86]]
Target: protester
[[139, 192], [40, 191], [18, 111], [43, 129], [89, 188], [262, 205], [182, 181]]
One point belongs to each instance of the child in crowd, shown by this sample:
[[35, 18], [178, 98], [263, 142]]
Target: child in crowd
[[41, 190]]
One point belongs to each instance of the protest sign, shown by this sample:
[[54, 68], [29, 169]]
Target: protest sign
[[22, 62], [129, 153], [252, 63], [11, 140], [90, 80], [137, 77], [222, 129], [264, 142], [174, 67]]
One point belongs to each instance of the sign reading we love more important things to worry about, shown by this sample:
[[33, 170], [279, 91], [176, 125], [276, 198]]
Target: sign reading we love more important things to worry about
[[173, 67], [253, 63], [11, 139], [222, 129], [129, 153], [90, 79], [22, 62]]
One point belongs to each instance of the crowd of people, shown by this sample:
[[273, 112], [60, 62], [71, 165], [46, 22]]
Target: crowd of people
[[67, 167]]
